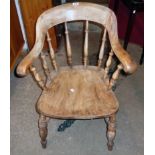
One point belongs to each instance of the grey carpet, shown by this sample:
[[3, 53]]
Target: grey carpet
[[83, 137]]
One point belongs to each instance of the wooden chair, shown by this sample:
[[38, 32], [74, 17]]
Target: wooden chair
[[81, 91]]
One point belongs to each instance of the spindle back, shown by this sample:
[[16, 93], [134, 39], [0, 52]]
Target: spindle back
[[75, 12]]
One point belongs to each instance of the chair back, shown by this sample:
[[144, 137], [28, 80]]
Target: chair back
[[79, 11]]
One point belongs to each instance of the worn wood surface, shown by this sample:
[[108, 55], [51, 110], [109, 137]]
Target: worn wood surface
[[115, 76], [43, 130], [37, 77], [68, 46], [78, 93], [86, 44], [92, 96], [108, 63], [111, 131], [45, 66], [78, 11], [101, 53], [31, 10], [52, 54]]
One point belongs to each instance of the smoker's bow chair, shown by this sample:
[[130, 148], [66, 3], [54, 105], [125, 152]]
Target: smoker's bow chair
[[81, 91]]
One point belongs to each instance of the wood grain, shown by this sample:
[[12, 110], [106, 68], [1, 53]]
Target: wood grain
[[78, 93], [31, 10], [52, 54], [86, 44], [101, 53], [16, 37], [78, 11], [37, 77], [115, 76], [45, 66], [111, 131], [68, 45], [108, 63]]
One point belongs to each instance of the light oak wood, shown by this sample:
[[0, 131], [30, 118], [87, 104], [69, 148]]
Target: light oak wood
[[115, 76], [45, 66], [37, 77], [78, 11], [108, 63], [43, 130], [111, 131], [86, 44], [69, 51], [77, 92], [52, 55], [101, 53]]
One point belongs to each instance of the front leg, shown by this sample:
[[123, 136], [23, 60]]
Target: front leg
[[111, 131], [43, 131]]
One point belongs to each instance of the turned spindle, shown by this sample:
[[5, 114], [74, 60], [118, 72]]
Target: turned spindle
[[108, 64], [68, 46], [115, 76], [44, 64], [86, 44], [37, 77], [101, 53], [52, 55]]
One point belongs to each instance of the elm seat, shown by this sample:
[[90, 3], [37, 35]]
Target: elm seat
[[81, 94]]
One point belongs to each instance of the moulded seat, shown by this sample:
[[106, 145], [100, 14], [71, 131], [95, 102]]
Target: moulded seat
[[78, 93]]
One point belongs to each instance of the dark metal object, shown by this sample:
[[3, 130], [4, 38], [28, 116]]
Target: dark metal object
[[129, 28], [142, 57], [65, 124], [116, 5], [134, 6]]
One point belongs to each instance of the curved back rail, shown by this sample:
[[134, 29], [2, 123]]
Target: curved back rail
[[73, 12]]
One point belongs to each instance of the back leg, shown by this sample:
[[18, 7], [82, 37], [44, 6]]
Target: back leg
[[111, 131], [43, 131]]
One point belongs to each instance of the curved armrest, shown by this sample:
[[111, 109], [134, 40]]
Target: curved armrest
[[129, 65], [22, 68], [49, 19]]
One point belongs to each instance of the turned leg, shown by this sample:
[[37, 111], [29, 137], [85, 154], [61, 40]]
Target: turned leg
[[43, 129], [129, 28], [111, 131], [116, 6], [142, 57]]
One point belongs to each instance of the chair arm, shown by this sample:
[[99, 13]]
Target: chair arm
[[23, 66], [129, 65]]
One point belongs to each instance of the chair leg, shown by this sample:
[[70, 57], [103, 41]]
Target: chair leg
[[142, 57], [111, 131], [116, 5], [43, 131], [129, 28]]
